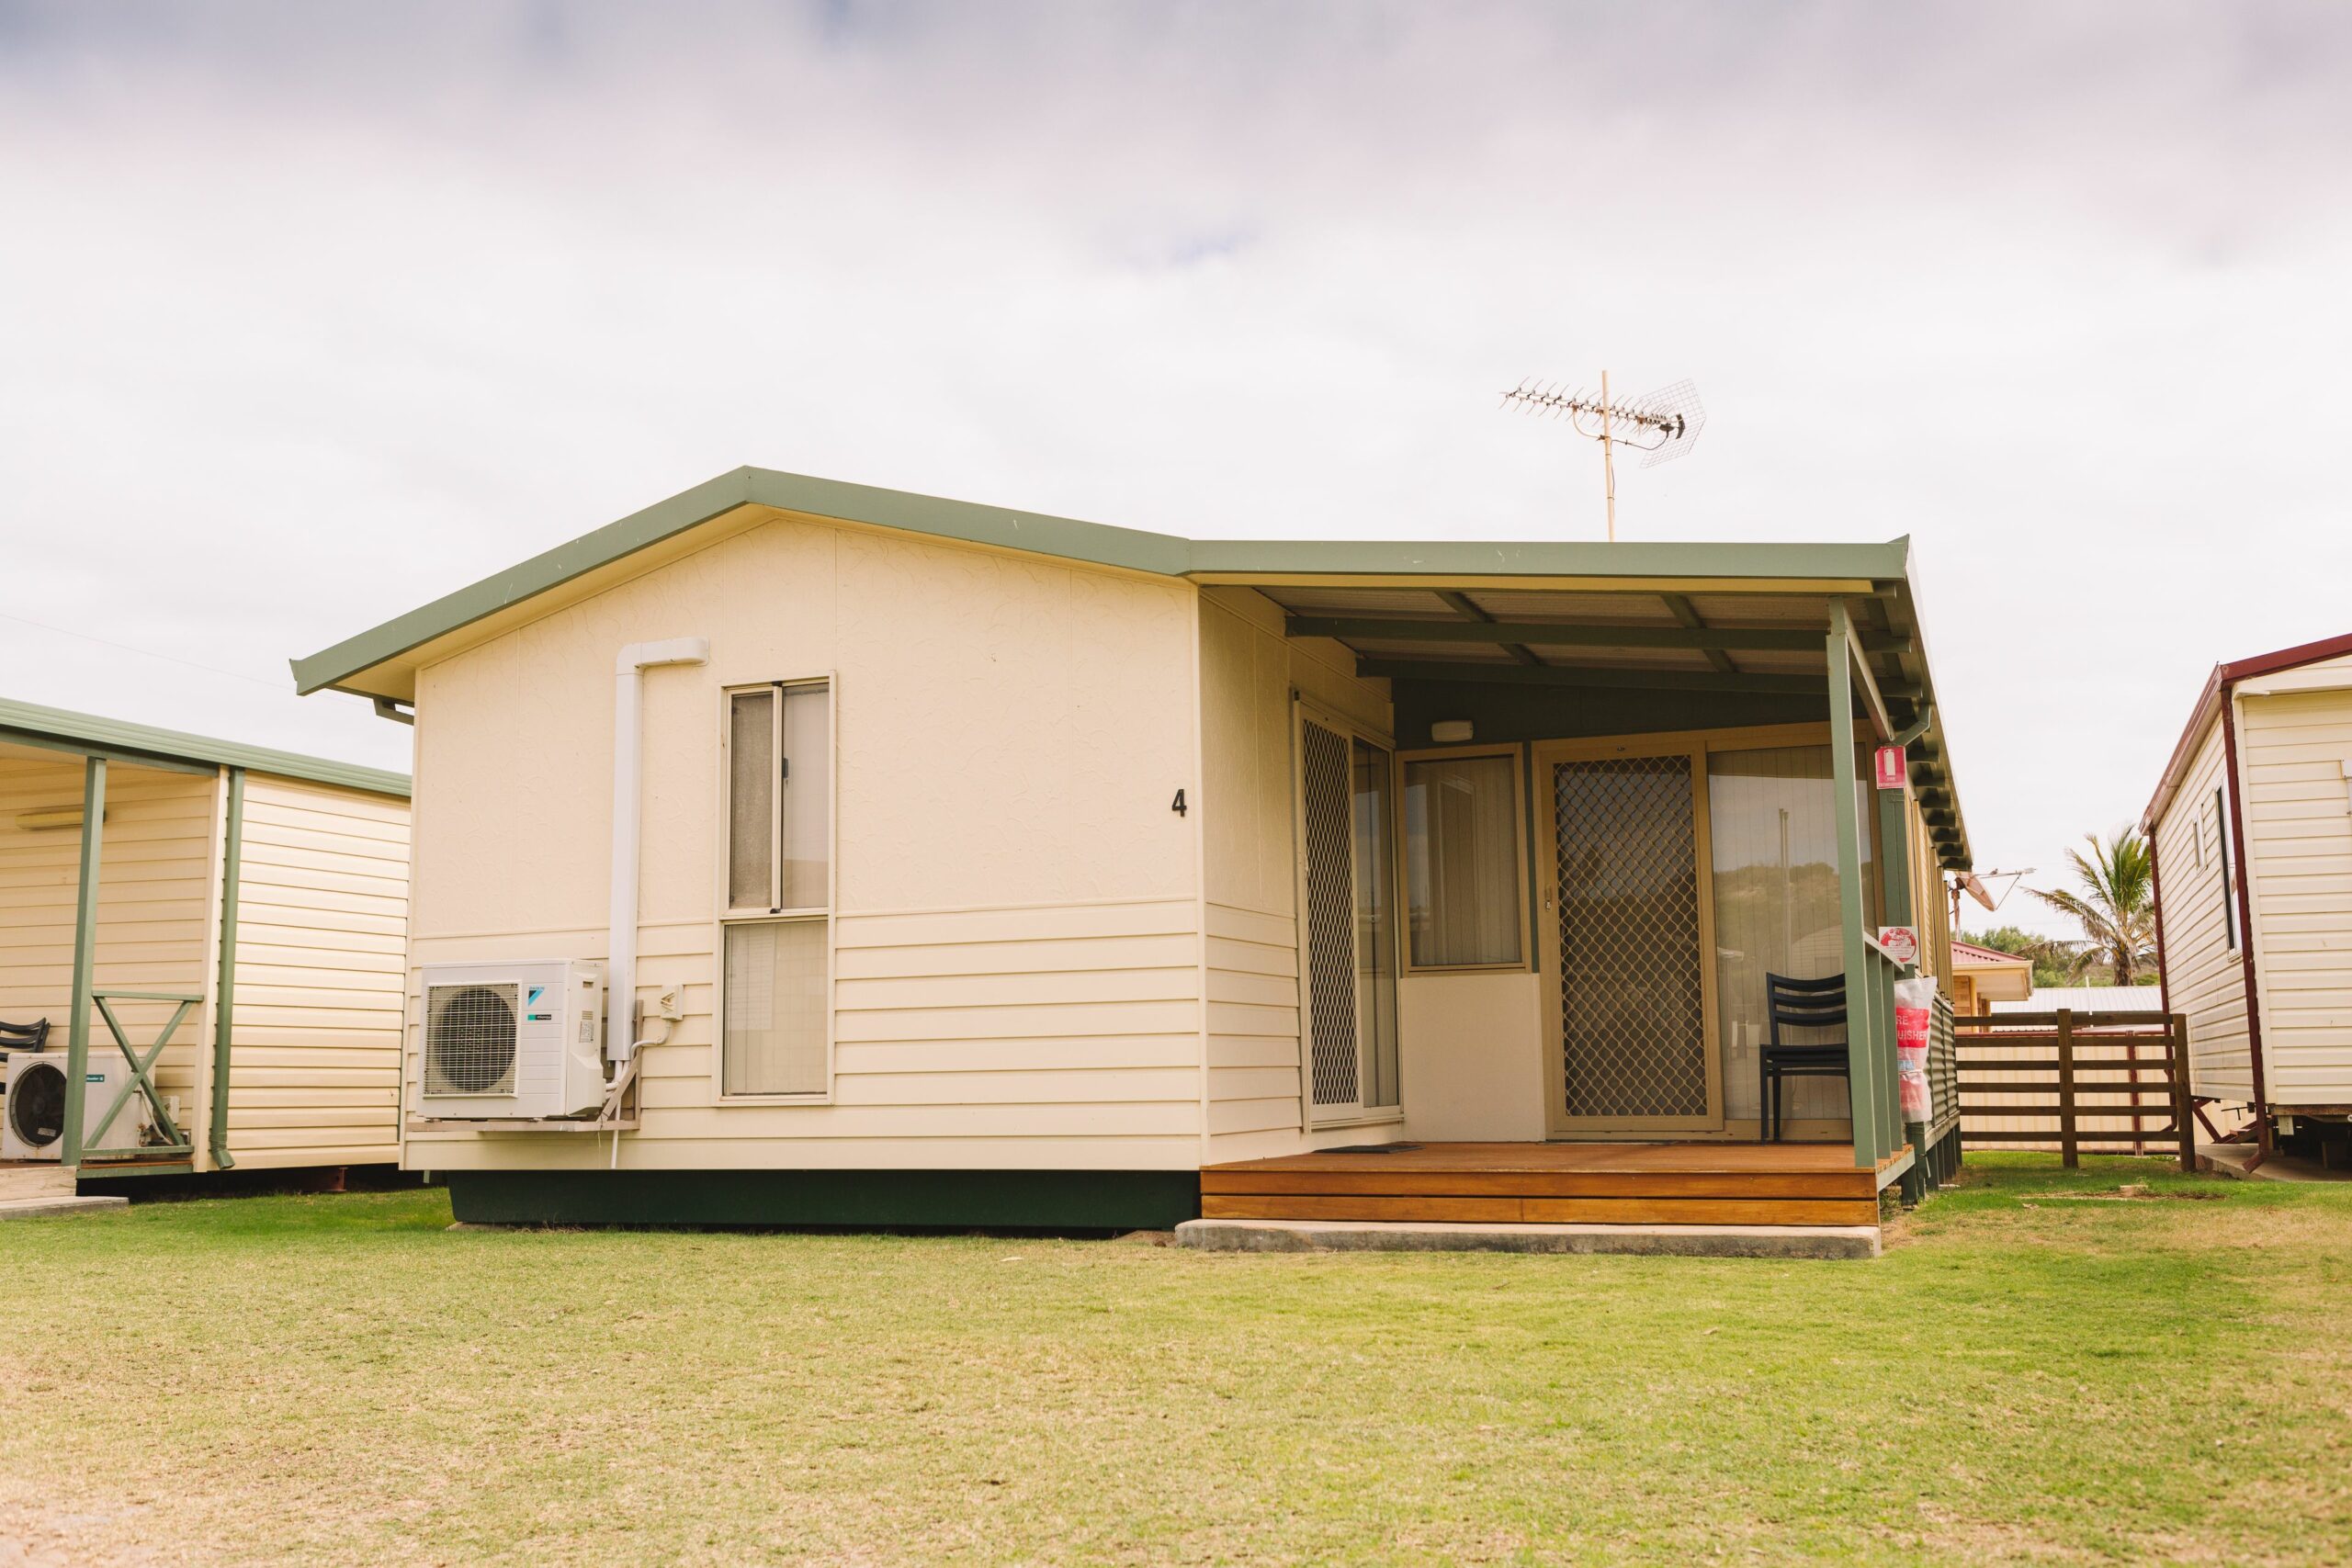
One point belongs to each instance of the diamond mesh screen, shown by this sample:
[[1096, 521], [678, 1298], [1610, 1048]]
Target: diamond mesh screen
[[1330, 913], [469, 1040], [1633, 1011]]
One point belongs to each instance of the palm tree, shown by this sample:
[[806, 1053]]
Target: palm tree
[[2115, 907]]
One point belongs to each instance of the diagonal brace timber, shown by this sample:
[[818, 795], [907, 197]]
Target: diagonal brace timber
[[142, 1071]]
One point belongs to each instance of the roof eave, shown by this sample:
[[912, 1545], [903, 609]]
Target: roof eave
[[132, 743]]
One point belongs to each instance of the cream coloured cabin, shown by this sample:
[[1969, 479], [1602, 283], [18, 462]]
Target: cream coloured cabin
[[945, 863], [201, 953], [2251, 832]]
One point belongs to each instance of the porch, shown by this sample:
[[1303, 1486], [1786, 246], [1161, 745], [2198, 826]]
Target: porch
[[1689, 1184], [1565, 880]]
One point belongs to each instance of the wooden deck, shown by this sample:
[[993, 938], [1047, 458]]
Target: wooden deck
[[1694, 1184]]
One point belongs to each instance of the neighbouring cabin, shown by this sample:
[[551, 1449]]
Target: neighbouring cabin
[[2251, 832], [947, 865], [200, 952], [1984, 977]]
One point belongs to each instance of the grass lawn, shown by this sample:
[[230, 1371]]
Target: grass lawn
[[2032, 1373]]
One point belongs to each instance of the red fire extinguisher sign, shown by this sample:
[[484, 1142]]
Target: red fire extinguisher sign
[[1892, 770]]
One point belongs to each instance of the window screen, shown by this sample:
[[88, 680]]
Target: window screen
[[751, 800], [1462, 861], [804, 863], [775, 1008]]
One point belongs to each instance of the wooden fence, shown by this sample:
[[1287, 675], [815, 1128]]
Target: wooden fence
[[2110, 1082]]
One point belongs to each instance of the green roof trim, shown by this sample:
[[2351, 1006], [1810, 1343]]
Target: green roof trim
[[1886, 567], [58, 730], [1070, 539]]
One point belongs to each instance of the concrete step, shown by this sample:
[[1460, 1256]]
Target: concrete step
[[1672, 1241], [62, 1203]]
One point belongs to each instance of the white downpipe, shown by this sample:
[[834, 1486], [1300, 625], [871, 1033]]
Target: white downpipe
[[628, 792]]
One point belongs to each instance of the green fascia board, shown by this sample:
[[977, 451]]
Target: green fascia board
[[974, 524], [1587, 559], [1070, 539], [1886, 565], [133, 743]]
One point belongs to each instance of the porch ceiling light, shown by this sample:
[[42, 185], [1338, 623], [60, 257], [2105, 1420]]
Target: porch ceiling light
[[1450, 731]]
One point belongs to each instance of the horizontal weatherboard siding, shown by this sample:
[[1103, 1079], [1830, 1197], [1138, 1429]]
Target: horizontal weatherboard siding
[[314, 1061]]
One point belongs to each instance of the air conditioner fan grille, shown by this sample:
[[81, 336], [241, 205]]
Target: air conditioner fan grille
[[469, 1040]]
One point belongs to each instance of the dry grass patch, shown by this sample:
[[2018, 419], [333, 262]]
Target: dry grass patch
[[2025, 1379]]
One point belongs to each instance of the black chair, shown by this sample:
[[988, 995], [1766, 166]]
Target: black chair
[[1800, 1004]]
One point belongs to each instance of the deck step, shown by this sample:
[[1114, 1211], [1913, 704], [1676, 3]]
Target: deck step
[[1490, 1209], [1469, 1183]]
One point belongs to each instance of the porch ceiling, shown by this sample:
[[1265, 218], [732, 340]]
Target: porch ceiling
[[1644, 636]]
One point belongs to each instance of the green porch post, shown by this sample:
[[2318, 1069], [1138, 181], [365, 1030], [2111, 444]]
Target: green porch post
[[1894, 888], [1863, 1091], [224, 992], [86, 947]]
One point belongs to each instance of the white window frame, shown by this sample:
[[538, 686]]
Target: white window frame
[[723, 862], [1520, 808], [1358, 1115]]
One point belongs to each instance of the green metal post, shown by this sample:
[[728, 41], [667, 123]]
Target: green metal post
[[224, 1007], [85, 950], [1863, 1090], [1894, 899]]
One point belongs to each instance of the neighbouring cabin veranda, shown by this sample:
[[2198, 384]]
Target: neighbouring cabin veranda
[[949, 865], [200, 953]]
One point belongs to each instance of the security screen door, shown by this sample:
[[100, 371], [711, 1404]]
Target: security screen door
[[1630, 945], [1348, 920]]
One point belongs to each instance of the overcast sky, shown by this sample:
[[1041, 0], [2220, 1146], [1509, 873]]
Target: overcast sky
[[310, 313]]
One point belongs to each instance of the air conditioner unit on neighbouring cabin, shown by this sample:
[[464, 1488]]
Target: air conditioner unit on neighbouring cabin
[[524, 1040], [32, 1126]]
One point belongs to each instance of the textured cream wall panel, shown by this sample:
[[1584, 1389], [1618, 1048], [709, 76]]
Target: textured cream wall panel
[[314, 1055], [1472, 1055], [1248, 673], [1016, 934], [957, 989], [1017, 958], [2203, 977], [2295, 748], [988, 925], [1097, 1052], [1010, 731]]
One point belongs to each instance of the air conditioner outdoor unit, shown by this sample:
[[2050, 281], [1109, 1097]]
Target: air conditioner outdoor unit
[[522, 1041], [33, 1124]]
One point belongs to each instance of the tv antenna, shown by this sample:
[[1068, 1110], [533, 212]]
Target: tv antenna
[[1664, 423]]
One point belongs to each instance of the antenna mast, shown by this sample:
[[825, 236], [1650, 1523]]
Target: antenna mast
[[1664, 423]]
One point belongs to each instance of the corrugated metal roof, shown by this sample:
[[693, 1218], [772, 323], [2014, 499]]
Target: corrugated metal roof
[[2089, 998]]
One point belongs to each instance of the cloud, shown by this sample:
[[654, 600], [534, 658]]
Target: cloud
[[311, 313]]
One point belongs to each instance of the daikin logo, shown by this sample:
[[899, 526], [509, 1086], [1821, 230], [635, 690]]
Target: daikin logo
[[532, 1000]]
